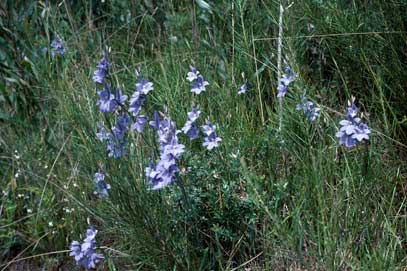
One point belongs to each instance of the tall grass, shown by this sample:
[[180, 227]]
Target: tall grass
[[257, 202]]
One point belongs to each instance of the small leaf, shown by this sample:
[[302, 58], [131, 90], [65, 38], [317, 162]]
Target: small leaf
[[204, 5], [261, 69], [11, 80]]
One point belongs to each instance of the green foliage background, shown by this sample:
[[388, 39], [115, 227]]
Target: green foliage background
[[263, 200]]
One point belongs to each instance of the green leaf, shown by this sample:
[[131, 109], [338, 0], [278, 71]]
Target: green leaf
[[204, 5]]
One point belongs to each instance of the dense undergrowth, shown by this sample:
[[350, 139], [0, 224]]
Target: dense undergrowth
[[266, 198]]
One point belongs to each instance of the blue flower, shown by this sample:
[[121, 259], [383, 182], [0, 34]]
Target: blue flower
[[123, 120], [352, 111], [193, 74], [194, 114], [243, 88], [191, 128], [155, 123], [76, 251], [120, 130], [143, 87], [85, 253], [208, 128], [102, 135], [120, 99], [107, 101], [288, 77], [116, 149], [166, 132], [159, 176], [312, 112], [136, 101], [285, 81], [199, 85], [173, 150], [163, 173], [101, 187], [352, 131], [56, 47], [211, 140], [115, 141], [282, 90], [102, 70], [139, 124]]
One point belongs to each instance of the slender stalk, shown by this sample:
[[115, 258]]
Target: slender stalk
[[279, 71], [258, 82], [233, 42], [180, 183]]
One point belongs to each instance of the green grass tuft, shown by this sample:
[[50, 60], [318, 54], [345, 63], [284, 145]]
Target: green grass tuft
[[264, 200]]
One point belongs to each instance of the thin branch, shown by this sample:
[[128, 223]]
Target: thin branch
[[247, 262], [279, 53], [15, 259], [258, 83], [115, 251], [35, 256]]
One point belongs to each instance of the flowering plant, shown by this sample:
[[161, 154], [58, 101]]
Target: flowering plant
[[353, 131]]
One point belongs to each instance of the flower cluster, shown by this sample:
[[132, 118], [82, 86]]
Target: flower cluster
[[211, 140], [101, 187], [115, 140], [198, 83], [163, 173], [285, 81], [108, 102], [120, 129], [116, 103], [353, 130], [56, 47], [243, 88], [312, 112], [114, 146], [85, 253], [191, 127], [143, 87], [102, 70]]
